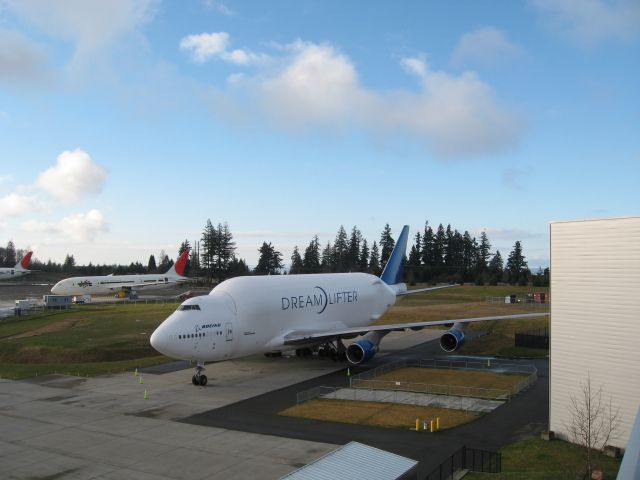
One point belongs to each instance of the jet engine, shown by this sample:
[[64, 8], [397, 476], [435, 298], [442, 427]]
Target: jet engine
[[452, 339], [365, 348]]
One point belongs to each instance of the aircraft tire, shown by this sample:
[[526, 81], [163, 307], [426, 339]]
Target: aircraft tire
[[194, 380], [203, 380]]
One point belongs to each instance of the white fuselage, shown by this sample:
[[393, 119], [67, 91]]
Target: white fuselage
[[247, 315], [9, 273], [105, 284]]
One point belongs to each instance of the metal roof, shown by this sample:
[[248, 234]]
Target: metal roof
[[355, 461]]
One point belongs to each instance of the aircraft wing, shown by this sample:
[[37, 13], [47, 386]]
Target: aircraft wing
[[300, 337], [427, 289]]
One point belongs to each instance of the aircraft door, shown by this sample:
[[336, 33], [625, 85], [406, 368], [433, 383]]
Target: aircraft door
[[228, 328]]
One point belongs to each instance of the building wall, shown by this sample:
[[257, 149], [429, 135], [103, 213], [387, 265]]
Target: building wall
[[595, 317]]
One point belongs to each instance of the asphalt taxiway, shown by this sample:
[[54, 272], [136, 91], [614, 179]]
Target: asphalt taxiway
[[103, 427]]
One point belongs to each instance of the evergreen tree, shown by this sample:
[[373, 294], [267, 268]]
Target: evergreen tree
[[469, 254], [165, 262], [517, 268], [311, 259], [296, 262], [496, 269], [237, 267], [352, 262], [10, 255], [428, 246], [184, 246], [374, 262], [69, 263], [483, 252], [327, 258], [340, 250], [209, 246], [151, 265], [270, 260], [226, 248], [386, 244], [439, 246], [364, 257], [415, 255]]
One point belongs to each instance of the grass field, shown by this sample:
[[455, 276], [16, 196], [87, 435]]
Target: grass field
[[88, 340], [535, 459], [469, 301], [96, 339], [390, 415]]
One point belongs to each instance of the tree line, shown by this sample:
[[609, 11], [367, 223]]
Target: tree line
[[436, 255]]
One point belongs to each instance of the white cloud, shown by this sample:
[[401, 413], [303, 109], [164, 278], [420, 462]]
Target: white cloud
[[204, 46], [91, 24], [74, 176], [486, 46], [80, 227], [207, 46], [219, 7], [416, 66], [15, 204], [588, 22], [317, 86], [22, 61]]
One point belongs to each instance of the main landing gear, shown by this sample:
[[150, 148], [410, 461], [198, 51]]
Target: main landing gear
[[336, 351], [199, 378]]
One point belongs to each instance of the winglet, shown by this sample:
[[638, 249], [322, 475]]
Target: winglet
[[392, 272], [181, 263], [24, 263]]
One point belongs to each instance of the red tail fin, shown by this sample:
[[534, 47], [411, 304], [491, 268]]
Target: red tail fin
[[181, 263], [26, 260]]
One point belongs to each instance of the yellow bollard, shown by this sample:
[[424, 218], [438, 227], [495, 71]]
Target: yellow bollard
[[417, 424], [431, 426], [437, 423], [146, 396], [135, 374], [141, 382]]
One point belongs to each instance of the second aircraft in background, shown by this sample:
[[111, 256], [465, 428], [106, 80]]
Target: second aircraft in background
[[106, 284]]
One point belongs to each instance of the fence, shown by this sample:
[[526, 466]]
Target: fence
[[533, 338], [368, 380], [364, 386], [467, 459]]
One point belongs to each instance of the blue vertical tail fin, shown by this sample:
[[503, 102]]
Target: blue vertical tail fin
[[392, 273]]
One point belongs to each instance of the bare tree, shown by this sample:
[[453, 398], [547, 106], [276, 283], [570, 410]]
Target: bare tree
[[593, 421]]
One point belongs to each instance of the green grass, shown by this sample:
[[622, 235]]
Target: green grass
[[538, 459], [465, 293], [88, 340]]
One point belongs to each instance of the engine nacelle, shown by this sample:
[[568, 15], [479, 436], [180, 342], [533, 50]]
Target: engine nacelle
[[452, 339], [365, 348]]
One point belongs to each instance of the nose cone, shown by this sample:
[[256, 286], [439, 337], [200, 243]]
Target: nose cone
[[158, 340], [56, 288]]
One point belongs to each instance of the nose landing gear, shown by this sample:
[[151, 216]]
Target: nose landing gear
[[199, 378]]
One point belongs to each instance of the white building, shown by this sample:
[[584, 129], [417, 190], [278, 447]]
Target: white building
[[595, 317]]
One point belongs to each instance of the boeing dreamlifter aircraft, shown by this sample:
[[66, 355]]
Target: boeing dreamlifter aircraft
[[105, 284], [19, 270], [265, 314]]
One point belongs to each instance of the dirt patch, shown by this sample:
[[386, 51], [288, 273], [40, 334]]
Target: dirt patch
[[48, 328]]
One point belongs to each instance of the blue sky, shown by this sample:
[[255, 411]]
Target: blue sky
[[125, 125]]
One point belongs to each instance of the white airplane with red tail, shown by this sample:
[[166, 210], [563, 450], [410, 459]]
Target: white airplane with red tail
[[21, 268], [106, 284]]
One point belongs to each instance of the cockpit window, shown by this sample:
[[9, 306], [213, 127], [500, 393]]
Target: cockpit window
[[188, 307]]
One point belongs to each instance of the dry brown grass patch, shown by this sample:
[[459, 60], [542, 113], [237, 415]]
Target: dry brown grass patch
[[379, 414], [463, 378]]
